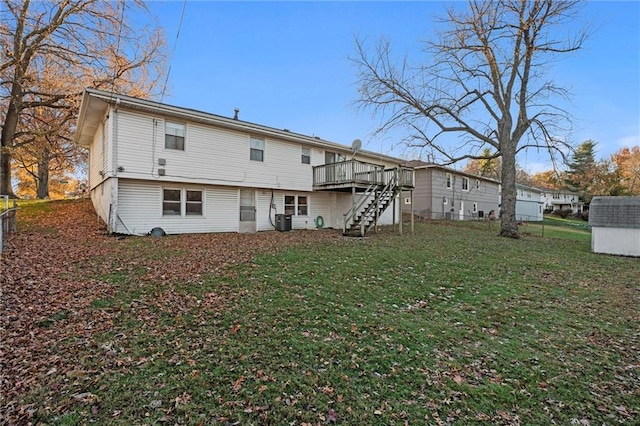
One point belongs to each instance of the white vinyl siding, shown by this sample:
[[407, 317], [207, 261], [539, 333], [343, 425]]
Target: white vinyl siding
[[139, 209], [212, 156]]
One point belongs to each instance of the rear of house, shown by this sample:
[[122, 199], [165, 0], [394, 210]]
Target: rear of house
[[156, 165], [529, 204], [444, 193]]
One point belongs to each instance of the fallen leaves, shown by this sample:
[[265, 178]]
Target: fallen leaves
[[60, 273]]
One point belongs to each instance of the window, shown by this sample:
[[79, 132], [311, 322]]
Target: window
[[465, 183], [289, 204], [302, 206], [306, 156], [448, 176], [173, 135], [477, 183], [194, 203], [177, 201], [296, 205], [475, 207], [171, 202], [257, 149]]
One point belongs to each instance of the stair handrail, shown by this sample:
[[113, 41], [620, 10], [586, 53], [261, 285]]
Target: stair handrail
[[351, 213], [388, 188]]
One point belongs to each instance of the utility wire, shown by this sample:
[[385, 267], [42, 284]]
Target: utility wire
[[115, 68], [175, 44]]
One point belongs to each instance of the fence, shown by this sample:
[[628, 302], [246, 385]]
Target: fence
[[534, 226], [8, 222]]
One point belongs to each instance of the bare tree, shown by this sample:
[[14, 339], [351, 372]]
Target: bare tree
[[484, 87], [90, 41]]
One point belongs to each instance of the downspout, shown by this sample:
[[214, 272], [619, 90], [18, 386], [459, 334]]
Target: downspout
[[114, 169]]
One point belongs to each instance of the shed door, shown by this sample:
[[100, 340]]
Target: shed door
[[247, 211]]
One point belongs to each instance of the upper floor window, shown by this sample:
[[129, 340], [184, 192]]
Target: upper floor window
[[306, 156], [465, 183], [448, 177], [256, 152], [174, 135], [477, 183]]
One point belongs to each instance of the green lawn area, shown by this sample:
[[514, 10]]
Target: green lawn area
[[453, 325]]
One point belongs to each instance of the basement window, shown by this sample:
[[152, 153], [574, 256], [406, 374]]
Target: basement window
[[194, 203], [171, 202], [296, 205]]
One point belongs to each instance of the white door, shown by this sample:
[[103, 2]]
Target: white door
[[461, 210]]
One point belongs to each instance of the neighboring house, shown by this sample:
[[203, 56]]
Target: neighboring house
[[529, 204], [615, 225], [444, 193], [185, 171], [555, 199]]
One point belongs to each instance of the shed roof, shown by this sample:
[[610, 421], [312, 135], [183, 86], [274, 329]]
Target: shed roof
[[615, 212]]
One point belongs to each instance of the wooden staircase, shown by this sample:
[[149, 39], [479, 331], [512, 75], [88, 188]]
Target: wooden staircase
[[371, 204]]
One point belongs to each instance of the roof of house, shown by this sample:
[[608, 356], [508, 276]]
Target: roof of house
[[421, 165], [529, 188], [95, 104], [615, 212]]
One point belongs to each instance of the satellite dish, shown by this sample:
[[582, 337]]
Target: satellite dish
[[356, 145]]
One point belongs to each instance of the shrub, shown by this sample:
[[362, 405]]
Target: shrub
[[584, 215], [562, 213]]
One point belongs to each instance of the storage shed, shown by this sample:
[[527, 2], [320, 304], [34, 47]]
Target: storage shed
[[615, 225]]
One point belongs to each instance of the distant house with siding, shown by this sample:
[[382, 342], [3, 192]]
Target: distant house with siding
[[556, 199], [445, 193], [615, 225], [529, 204], [186, 171]]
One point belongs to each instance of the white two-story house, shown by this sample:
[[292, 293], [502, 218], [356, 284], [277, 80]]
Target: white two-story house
[[186, 171], [529, 204], [556, 199]]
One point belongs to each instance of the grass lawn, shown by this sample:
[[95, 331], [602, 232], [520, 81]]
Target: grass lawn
[[453, 325]]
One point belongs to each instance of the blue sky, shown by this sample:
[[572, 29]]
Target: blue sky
[[285, 65]]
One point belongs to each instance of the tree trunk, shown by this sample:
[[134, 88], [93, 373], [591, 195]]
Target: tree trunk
[[42, 182], [508, 224], [6, 146]]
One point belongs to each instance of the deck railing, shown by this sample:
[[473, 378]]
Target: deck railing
[[361, 173], [351, 171], [404, 177]]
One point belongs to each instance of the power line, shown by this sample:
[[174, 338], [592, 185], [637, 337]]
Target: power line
[[175, 44], [115, 67]]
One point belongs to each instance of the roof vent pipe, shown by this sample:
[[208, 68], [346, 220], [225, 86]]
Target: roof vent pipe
[[235, 115]]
